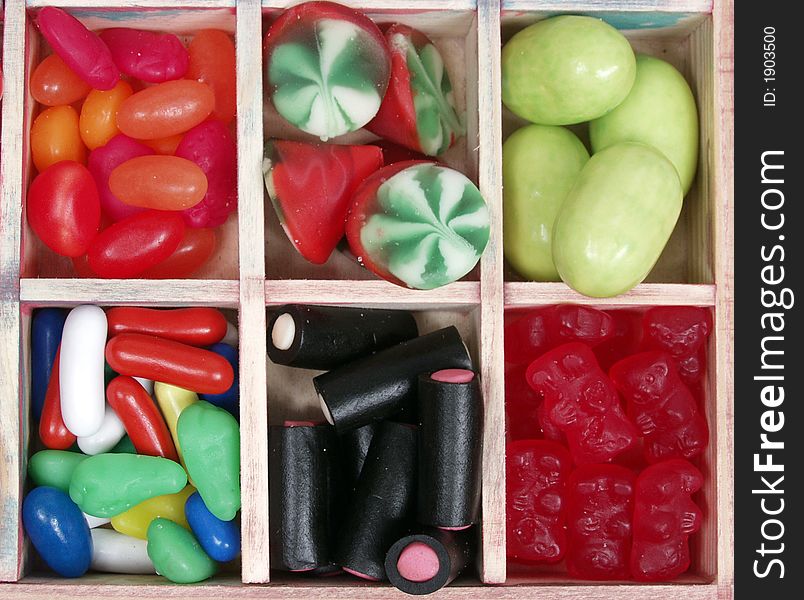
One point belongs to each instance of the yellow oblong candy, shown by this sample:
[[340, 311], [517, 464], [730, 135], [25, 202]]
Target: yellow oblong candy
[[172, 400], [135, 520]]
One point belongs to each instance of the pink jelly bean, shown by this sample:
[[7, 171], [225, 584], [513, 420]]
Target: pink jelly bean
[[211, 147], [102, 161], [152, 57], [83, 51]]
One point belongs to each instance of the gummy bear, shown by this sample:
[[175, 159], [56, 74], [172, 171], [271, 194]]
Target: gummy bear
[[600, 504], [536, 475], [582, 402], [664, 518], [624, 341], [661, 406], [524, 409], [682, 332]]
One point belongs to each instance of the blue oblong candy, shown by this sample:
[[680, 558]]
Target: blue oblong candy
[[219, 539], [47, 325], [58, 531], [230, 399]]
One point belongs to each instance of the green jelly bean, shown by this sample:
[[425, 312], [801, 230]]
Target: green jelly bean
[[176, 554], [124, 446], [660, 111], [106, 485], [54, 468], [566, 70], [210, 440], [616, 220], [540, 166]]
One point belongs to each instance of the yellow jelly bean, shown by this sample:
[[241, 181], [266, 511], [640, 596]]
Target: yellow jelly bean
[[135, 520], [172, 400]]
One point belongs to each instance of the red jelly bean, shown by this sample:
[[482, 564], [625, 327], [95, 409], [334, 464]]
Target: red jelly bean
[[661, 406], [102, 161], [536, 473], [135, 244], [195, 249], [600, 505], [664, 518], [53, 83], [159, 182], [681, 331], [141, 418], [194, 326], [63, 208], [170, 362], [146, 55], [212, 61], [52, 430], [165, 109], [582, 402], [625, 340]]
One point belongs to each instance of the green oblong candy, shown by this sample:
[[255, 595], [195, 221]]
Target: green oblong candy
[[106, 485], [659, 111], [54, 468], [210, 441], [616, 220], [566, 70], [540, 166], [176, 554]]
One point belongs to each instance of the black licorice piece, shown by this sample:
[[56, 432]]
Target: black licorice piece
[[454, 552], [326, 337], [450, 443], [354, 445], [383, 503], [304, 496], [384, 384]]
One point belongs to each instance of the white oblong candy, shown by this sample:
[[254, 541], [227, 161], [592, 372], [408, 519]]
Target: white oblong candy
[[113, 552], [147, 384], [94, 522], [231, 336], [104, 439], [83, 393]]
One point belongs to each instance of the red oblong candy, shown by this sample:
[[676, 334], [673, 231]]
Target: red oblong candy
[[194, 326], [147, 55], [52, 430], [195, 249]]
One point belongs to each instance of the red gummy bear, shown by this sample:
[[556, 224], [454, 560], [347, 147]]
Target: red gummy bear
[[536, 475], [526, 418], [625, 340], [664, 518], [661, 405], [600, 502], [582, 402], [543, 329], [681, 331]]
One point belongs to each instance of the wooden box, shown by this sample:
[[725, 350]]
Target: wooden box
[[256, 268]]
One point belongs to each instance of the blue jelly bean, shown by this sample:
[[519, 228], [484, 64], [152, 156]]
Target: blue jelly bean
[[219, 539], [230, 399], [58, 531], [46, 327]]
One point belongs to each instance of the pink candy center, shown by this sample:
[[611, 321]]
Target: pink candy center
[[361, 575], [453, 376], [418, 562]]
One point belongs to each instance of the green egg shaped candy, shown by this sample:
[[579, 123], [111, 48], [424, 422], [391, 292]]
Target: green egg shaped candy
[[566, 70], [540, 166], [176, 553], [616, 220], [54, 468]]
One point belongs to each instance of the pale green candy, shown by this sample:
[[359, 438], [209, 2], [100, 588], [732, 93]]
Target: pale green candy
[[54, 468], [106, 485], [176, 554], [210, 441], [540, 166], [566, 70], [616, 220], [660, 111]]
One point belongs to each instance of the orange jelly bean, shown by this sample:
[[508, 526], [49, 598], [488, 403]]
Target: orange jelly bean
[[159, 182], [98, 122], [165, 109], [165, 145], [53, 83], [212, 61], [55, 137]]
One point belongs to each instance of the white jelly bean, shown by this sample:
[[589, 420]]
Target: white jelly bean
[[231, 336], [94, 522], [113, 552], [83, 393], [147, 384], [104, 439]]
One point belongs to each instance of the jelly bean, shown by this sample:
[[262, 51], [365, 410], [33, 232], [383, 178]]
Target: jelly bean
[[176, 554], [107, 437], [219, 539], [166, 145], [232, 335], [98, 121], [144, 424], [83, 402], [52, 430], [134, 522], [102, 161], [165, 109], [136, 243], [212, 61], [55, 136], [159, 182], [82, 50], [230, 399], [94, 522], [195, 249], [63, 208], [124, 446], [147, 384], [114, 552], [169, 362], [172, 401], [46, 327], [58, 531], [211, 147], [54, 468], [53, 83], [210, 439], [194, 326], [146, 55], [106, 485]]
